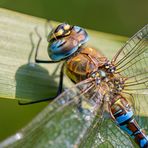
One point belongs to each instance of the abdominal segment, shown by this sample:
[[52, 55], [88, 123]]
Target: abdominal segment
[[123, 115]]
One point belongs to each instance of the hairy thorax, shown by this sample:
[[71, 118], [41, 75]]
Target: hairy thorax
[[79, 66]]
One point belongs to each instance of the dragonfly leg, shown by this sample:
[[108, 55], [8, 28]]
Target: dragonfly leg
[[59, 91], [37, 49]]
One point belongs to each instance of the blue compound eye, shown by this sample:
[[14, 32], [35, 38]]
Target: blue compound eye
[[65, 40]]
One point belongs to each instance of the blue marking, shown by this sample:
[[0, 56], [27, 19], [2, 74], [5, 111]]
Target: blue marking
[[125, 117], [57, 57], [143, 142], [124, 128], [55, 46], [56, 53]]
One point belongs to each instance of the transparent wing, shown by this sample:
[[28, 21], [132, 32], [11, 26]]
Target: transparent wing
[[115, 136], [63, 123], [105, 133], [141, 110], [132, 61]]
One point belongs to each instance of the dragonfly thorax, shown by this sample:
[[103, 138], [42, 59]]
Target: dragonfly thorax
[[85, 64]]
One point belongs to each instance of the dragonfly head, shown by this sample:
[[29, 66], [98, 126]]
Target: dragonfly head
[[64, 40]]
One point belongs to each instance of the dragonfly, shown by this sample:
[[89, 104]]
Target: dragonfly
[[106, 105]]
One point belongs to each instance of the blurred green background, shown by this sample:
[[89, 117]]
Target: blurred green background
[[111, 16], [122, 17]]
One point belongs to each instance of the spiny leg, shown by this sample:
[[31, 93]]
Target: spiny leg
[[37, 49]]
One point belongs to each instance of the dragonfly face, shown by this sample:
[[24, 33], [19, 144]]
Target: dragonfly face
[[65, 40]]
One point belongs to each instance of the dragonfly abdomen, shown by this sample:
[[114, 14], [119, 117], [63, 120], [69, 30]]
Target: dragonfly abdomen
[[122, 113]]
